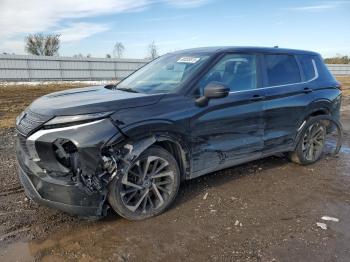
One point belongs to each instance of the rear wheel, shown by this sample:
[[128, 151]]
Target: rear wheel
[[149, 187], [311, 143]]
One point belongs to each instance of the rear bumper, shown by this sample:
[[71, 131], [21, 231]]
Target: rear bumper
[[71, 207]]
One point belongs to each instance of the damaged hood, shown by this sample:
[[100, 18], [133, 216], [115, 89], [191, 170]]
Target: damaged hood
[[90, 100]]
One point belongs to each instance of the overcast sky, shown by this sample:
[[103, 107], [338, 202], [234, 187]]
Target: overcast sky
[[93, 26]]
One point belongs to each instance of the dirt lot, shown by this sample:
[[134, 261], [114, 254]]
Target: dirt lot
[[15, 98], [266, 210]]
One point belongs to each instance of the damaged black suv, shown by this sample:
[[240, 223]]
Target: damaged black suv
[[183, 115]]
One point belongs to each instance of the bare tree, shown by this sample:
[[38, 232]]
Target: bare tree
[[40, 44], [78, 56], [153, 50], [118, 50]]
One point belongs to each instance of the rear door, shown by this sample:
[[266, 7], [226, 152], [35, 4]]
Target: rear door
[[229, 130], [287, 93]]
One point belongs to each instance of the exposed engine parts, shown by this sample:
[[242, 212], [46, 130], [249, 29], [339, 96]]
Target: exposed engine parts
[[113, 162]]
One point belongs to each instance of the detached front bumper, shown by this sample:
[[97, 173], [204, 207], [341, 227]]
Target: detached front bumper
[[48, 182], [63, 197]]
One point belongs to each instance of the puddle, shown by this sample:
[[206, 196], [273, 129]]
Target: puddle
[[73, 244], [106, 240], [345, 149], [17, 252], [331, 144], [343, 163]]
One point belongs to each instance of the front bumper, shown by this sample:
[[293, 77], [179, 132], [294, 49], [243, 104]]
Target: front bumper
[[47, 182], [70, 201]]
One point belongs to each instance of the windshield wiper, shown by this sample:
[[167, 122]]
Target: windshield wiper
[[126, 89]]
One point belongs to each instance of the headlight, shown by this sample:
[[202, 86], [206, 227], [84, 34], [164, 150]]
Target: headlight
[[68, 120], [19, 118]]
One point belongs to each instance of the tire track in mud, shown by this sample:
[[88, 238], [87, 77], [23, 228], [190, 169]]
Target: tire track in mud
[[16, 190], [13, 233]]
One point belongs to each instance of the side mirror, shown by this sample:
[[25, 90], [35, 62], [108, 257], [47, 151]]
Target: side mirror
[[216, 90], [211, 91]]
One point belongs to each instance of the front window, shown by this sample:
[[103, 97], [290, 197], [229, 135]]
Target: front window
[[163, 75], [236, 71]]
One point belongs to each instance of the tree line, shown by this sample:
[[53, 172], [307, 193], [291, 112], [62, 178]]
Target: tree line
[[49, 45], [339, 59]]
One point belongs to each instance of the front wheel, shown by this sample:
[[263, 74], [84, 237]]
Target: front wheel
[[148, 188], [311, 143]]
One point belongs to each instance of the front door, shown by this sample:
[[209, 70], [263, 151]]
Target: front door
[[229, 130]]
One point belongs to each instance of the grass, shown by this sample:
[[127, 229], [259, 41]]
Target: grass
[[345, 80], [15, 98]]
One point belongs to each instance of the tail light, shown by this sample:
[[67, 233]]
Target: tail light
[[339, 86]]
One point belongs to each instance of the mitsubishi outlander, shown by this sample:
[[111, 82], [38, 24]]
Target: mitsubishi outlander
[[188, 113]]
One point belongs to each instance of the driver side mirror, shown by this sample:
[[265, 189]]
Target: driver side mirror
[[211, 91]]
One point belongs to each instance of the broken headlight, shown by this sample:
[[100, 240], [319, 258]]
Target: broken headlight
[[64, 150], [59, 121]]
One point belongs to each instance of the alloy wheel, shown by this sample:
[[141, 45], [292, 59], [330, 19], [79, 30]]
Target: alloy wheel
[[148, 185], [313, 141]]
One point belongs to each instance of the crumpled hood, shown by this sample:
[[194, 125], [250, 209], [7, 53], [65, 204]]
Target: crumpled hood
[[90, 100]]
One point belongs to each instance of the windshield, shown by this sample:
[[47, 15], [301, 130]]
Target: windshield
[[164, 74]]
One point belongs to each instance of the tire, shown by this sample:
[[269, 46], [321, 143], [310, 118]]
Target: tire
[[139, 195], [311, 143]]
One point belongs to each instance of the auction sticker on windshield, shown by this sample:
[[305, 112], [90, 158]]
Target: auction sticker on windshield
[[188, 60]]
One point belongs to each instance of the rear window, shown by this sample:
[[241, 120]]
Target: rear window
[[307, 65], [282, 70]]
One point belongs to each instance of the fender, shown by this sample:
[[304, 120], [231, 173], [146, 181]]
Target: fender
[[139, 136], [323, 104], [316, 107], [150, 127]]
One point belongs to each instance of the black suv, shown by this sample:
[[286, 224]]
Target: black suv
[[183, 115]]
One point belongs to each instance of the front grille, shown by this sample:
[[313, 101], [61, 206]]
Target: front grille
[[22, 143], [30, 122], [24, 167]]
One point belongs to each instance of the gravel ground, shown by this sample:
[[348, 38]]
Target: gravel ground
[[266, 210]]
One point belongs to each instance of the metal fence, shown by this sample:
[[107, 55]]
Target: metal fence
[[44, 68], [339, 69]]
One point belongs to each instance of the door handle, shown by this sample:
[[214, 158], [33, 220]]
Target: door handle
[[257, 98], [307, 90]]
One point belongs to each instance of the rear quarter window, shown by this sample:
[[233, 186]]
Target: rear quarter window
[[307, 64], [281, 69], [323, 71]]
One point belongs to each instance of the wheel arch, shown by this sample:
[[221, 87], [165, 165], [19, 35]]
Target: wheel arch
[[321, 107], [318, 107], [165, 134], [179, 152]]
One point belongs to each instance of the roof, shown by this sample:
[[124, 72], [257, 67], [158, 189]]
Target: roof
[[250, 49]]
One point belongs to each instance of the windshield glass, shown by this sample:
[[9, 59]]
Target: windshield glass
[[164, 74]]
